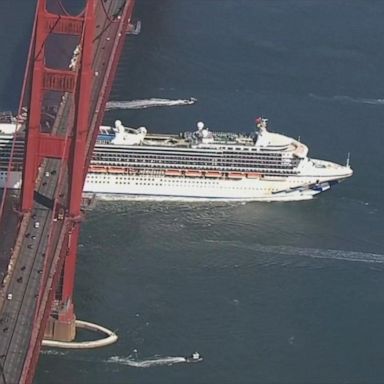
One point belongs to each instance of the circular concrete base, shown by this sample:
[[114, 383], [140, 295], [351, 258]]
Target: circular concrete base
[[110, 338]]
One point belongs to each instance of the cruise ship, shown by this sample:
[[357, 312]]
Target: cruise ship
[[127, 162]]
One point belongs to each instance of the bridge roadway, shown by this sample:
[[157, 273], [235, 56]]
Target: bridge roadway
[[36, 253]]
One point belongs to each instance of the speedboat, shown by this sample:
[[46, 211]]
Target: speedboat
[[194, 358]]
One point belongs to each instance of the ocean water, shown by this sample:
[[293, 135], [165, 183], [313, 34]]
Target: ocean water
[[266, 292]]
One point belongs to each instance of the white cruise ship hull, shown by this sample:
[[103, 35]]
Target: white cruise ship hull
[[150, 186]]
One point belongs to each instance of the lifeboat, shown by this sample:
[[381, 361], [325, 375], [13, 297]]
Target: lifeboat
[[253, 175], [235, 175], [172, 172], [116, 170], [97, 169], [213, 174], [193, 173]]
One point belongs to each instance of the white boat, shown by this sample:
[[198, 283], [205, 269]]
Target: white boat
[[194, 358], [260, 166]]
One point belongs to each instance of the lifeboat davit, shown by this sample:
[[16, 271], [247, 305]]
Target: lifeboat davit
[[235, 175], [97, 169], [173, 172], [116, 170], [193, 173], [253, 175], [213, 174]]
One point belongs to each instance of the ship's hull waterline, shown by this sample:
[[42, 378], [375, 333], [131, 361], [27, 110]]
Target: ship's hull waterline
[[148, 187]]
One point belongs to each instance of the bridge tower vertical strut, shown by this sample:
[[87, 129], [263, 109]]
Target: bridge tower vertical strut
[[71, 64], [44, 79], [77, 170], [71, 147]]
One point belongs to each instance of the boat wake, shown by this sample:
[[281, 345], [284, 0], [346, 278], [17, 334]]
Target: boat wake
[[330, 254], [333, 254], [148, 103], [147, 363], [53, 352], [132, 360], [348, 99]]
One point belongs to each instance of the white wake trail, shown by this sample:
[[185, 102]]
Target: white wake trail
[[349, 99], [332, 254], [359, 100], [147, 363], [53, 352], [148, 103]]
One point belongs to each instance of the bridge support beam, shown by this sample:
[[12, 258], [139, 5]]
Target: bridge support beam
[[61, 129], [62, 323], [43, 80], [70, 149], [61, 329]]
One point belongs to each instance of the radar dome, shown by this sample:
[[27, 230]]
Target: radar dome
[[142, 130], [200, 125]]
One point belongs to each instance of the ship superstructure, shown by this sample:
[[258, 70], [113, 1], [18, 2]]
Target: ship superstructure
[[263, 165]]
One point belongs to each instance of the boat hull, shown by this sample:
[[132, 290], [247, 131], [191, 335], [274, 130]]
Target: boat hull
[[131, 186]]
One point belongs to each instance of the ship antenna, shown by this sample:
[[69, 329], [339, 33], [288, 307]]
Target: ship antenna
[[348, 159]]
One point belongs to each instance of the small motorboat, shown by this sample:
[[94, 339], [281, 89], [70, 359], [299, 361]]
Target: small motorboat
[[194, 358]]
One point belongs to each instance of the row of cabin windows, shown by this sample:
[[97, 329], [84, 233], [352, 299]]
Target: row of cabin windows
[[265, 171], [195, 162], [227, 168], [202, 184], [127, 156], [164, 184], [188, 152]]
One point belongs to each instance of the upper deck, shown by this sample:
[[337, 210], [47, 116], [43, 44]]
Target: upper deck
[[261, 141]]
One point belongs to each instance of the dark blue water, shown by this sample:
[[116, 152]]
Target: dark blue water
[[267, 292]]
